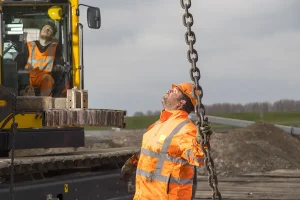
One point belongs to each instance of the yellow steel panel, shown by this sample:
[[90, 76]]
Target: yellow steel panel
[[75, 44], [25, 121], [66, 187], [3, 103]]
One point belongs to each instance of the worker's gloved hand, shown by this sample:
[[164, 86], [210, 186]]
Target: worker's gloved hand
[[205, 129], [127, 171], [57, 71], [58, 68]]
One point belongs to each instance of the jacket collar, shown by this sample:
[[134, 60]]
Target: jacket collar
[[165, 115]]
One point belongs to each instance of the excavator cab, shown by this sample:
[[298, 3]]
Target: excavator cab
[[58, 120], [22, 24]]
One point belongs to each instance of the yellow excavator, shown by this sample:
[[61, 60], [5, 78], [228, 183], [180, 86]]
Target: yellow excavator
[[55, 121], [32, 121]]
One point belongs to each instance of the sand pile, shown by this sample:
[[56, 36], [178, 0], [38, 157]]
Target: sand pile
[[257, 148]]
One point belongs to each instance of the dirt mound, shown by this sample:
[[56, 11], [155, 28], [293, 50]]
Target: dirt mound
[[258, 148]]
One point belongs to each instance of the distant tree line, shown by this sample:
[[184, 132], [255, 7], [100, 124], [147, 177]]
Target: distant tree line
[[278, 106]]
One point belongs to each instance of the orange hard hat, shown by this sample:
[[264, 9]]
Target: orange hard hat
[[187, 89]]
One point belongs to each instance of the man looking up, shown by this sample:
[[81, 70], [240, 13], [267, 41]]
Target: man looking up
[[42, 55], [170, 152]]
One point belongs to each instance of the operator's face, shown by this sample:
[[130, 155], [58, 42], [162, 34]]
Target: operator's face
[[47, 32], [171, 100]]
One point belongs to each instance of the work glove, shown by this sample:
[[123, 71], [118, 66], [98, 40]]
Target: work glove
[[127, 171], [206, 130], [57, 71], [59, 68]]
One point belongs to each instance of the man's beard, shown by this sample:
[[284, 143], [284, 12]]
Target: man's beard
[[166, 103], [45, 37]]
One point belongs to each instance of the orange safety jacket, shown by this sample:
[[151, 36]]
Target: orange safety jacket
[[40, 63], [167, 159]]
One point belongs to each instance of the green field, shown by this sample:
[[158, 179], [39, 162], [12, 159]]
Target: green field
[[134, 122], [282, 118]]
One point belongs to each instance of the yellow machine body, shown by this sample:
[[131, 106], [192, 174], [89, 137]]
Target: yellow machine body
[[29, 120]]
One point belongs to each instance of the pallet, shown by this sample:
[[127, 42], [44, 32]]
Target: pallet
[[275, 185]]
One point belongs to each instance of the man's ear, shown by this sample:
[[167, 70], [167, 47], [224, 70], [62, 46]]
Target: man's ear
[[182, 103]]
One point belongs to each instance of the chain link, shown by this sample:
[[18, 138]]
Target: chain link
[[202, 123], [13, 132]]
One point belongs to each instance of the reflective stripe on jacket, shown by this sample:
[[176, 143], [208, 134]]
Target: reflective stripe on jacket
[[42, 61], [165, 163]]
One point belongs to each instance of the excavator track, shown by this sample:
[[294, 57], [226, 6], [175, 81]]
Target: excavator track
[[90, 175], [100, 185], [65, 162]]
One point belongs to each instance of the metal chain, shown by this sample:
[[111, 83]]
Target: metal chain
[[13, 132], [202, 123]]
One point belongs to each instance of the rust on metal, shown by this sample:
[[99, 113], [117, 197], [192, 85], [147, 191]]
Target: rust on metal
[[33, 103], [57, 114], [84, 117]]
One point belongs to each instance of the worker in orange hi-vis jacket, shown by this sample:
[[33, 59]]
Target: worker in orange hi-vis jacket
[[43, 58], [165, 166]]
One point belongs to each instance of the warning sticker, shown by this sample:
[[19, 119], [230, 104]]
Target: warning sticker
[[3, 103], [66, 188]]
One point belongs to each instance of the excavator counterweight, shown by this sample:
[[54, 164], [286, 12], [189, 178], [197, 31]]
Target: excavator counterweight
[[61, 112]]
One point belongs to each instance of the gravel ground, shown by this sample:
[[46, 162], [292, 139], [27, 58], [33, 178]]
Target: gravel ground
[[258, 148]]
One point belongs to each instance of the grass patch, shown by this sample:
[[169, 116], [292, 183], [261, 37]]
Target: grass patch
[[142, 122]]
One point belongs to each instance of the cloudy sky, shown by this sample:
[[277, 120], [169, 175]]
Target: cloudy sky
[[248, 51]]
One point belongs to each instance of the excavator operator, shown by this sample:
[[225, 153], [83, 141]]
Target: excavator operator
[[42, 55], [165, 166]]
